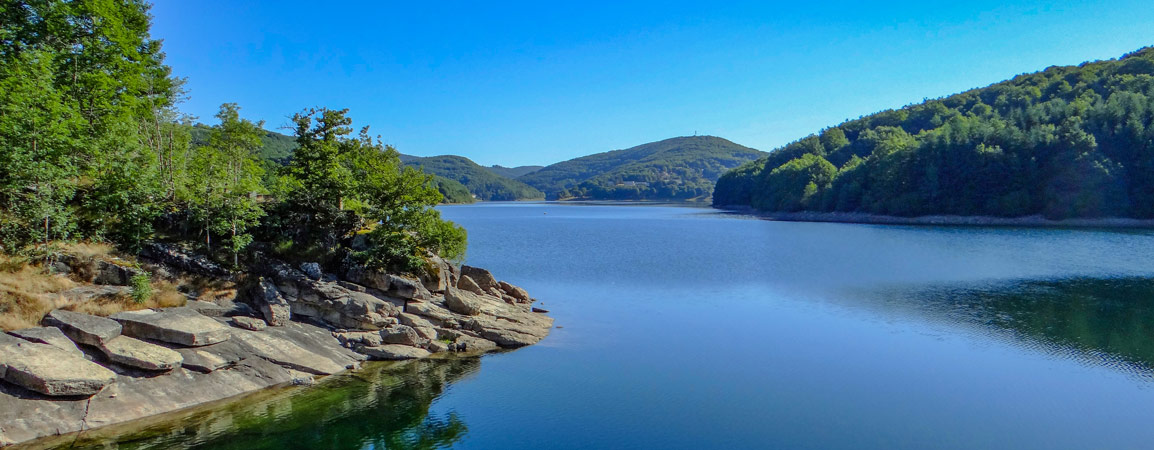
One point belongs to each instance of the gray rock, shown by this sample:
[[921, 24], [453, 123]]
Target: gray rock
[[86, 293], [473, 345], [482, 277], [393, 352], [466, 283], [401, 334], [249, 323], [83, 328], [142, 355], [49, 370], [207, 309], [462, 302], [426, 333], [407, 289], [515, 292], [273, 306], [331, 303], [440, 275], [201, 360], [437, 347], [182, 326], [176, 257], [286, 353], [312, 270], [354, 338], [51, 336], [114, 274]]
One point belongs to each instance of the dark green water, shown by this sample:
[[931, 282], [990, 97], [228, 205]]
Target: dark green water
[[687, 328]]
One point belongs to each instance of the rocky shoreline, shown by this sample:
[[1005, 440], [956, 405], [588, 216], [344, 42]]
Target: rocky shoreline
[[1026, 221], [290, 324]]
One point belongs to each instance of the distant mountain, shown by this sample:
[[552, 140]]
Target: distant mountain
[[681, 168], [480, 181], [514, 172], [277, 147]]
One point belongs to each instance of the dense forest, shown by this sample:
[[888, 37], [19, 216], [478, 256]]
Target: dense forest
[[93, 147], [682, 168], [513, 172], [1073, 141], [480, 181]]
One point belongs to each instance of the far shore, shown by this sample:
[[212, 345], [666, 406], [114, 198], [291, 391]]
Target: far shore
[[864, 218]]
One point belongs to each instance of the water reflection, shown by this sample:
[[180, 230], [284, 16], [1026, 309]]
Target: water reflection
[[1098, 321], [382, 406]]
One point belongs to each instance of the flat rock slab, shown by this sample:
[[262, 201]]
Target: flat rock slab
[[203, 361], [394, 352], [83, 328], [249, 323], [181, 326], [143, 355], [286, 353], [51, 336], [49, 370]]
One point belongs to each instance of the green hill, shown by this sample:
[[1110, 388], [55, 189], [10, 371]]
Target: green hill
[[1073, 141], [681, 168], [481, 182], [514, 172]]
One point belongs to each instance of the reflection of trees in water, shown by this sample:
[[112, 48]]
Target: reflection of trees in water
[[1104, 322], [384, 406]]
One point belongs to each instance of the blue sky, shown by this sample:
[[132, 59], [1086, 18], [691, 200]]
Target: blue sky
[[540, 82]]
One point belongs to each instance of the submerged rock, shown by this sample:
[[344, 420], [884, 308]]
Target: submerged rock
[[182, 326], [83, 328]]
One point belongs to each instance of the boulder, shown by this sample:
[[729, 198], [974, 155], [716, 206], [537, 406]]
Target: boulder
[[401, 334], [182, 326], [49, 370], [114, 274], [83, 328], [142, 355], [462, 302], [466, 283], [483, 278], [440, 274], [513, 291], [86, 293], [332, 303], [393, 352], [312, 270], [437, 347], [271, 303], [249, 323], [51, 336], [407, 289], [473, 344], [207, 309], [352, 339], [176, 257], [202, 361]]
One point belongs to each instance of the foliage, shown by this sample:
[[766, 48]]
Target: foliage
[[481, 182], [673, 169], [141, 287], [1075, 141], [513, 172]]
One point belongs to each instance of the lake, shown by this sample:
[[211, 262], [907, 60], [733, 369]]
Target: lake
[[685, 327]]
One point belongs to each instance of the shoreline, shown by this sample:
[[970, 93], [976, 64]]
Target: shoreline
[[1035, 221]]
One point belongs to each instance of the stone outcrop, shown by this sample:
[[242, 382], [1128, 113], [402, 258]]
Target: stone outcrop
[[175, 257], [83, 328], [51, 336], [49, 370], [181, 326], [171, 358], [139, 354]]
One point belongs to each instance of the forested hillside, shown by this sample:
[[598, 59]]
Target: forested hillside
[[679, 168], [481, 182], [1073, 141], [514, 172]]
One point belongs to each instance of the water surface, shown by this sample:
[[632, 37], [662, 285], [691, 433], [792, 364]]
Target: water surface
[[685, 328]]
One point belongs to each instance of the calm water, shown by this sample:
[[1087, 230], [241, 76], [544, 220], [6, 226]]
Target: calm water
[[682, 327]]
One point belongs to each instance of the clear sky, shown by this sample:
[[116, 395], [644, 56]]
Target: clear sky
[[540, 82]]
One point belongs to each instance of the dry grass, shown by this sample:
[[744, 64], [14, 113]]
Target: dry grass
[[28, 291]]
